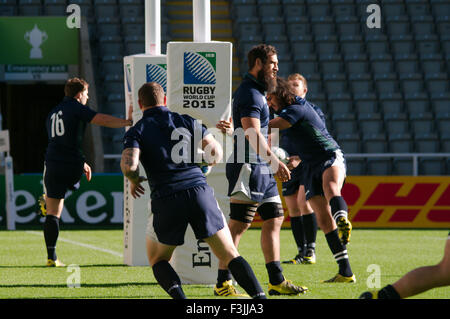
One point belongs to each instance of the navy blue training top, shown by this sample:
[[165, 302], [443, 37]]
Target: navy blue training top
[[167, 141], [249, 101], [65, 129], [285, 143], [308, 135]]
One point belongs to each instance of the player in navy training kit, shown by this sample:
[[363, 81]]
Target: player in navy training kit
[[324, 169], [179, 192], [64, 161], [303, 218], [252, 187]]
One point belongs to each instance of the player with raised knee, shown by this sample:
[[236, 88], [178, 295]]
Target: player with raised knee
[[303, 219], [64, 161], [251, 184], [179, 192], [324, 166]]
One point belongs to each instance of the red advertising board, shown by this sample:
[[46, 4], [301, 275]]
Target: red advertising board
[[394, 202]]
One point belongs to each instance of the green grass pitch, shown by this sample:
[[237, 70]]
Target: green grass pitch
[[103, 274]]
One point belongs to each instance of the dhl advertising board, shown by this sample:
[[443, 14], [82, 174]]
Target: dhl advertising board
[[394, 202]]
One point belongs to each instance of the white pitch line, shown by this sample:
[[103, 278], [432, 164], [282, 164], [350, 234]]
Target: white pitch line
[[80, 244]]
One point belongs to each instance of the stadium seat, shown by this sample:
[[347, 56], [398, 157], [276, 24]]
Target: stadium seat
[[270, 11], [30, 7], [106, 8], [418, 106], [323, 28], [134, 44], [394, 8], [301, 49], [318, 8], [379, 166], [392, 106], [402, 166], [274, 31], [440, 8], [362, 87], [344, 124], [249, 31], [424, 29], [352, 48], [8, 8], [440, 107], [402, 48], [398, 28], [131, 8], [245, 12], [432, 166], [366, 106], [370, 123], [382, 66], [109, 26], [55, 7], [426, 142], [418, 9], [307, 68], [343, 9], [356, 166], [387, 87], [87, 9], [293, 12], [343, 106], [445, 143], [396, 123], [331, 67], [336, 86], [349, 143], [400, 143], [443, 121], [374, 142], [130, 28], [357, 67]]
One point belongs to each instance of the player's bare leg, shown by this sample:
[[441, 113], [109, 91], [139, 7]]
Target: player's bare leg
[[158, 256], [223, 247]]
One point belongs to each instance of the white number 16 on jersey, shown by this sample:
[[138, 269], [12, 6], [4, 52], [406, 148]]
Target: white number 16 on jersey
[[57, 124]]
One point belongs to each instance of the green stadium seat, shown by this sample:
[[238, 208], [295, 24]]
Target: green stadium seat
[[374, 142]]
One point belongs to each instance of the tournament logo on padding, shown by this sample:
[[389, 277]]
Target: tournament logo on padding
[[200, 68], [157, 73]]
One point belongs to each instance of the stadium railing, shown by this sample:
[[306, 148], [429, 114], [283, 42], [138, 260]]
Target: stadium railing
[[414, 156]]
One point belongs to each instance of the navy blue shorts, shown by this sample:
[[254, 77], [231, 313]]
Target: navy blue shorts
[[61, 177], [196, 206], [291, 186], [313, 173], [256, 181]]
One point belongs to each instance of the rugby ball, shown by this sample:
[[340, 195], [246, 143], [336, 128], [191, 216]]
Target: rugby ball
[[281, 154]]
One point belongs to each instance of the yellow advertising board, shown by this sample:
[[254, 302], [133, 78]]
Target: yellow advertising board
[[394, 202]]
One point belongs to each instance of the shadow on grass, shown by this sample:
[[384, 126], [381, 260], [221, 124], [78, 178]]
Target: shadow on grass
[[96, 285], [81, 266]]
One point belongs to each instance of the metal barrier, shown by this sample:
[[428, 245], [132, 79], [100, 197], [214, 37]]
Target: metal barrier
[[415, 157]]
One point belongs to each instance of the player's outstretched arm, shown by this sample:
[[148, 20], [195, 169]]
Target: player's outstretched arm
[[110, 121], [252, 129], [129, 164], [279, 123]]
